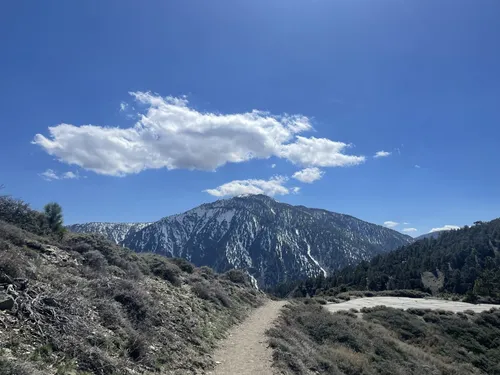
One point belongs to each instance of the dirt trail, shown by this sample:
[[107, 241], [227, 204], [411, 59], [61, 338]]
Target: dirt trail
[[245, 351]]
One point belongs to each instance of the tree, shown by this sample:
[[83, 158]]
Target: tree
[[53, 213]]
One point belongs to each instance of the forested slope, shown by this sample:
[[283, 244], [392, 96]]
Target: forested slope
[[465, 261]]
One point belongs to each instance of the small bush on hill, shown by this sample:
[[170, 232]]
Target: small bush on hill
[[237, 276], [183, 264], [201, 290], [161, 267], [95, 260]]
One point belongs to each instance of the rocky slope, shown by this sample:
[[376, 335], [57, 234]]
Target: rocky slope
[[82, 305], [115, 232], [274, 241]]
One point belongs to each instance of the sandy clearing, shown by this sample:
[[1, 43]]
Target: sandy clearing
[[407, 303], [246, 351]]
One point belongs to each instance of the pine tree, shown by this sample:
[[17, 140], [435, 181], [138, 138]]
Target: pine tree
[[53, 213]]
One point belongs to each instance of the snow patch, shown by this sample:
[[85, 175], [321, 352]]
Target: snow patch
[[253, 280], [314, 260]]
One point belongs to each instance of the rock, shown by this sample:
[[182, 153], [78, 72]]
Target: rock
[[6, 302]]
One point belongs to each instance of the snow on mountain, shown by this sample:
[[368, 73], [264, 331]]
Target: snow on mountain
[[273, 241], [115, 232]]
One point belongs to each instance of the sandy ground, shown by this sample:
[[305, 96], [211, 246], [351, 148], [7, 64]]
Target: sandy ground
[[407, 303], [245, 351]]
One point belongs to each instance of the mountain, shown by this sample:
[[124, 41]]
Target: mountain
[[274, 241], [464, 261], [115, 232]]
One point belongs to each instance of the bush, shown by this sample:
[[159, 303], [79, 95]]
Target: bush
[[222, 297], [161, 267], [11, 267], [183, 264], [20, 214], [95, 260], [137, 347], [237, 276], [201, 290]]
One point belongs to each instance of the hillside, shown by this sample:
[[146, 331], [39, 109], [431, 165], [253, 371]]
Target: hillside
[[115, 232], [465, 261], [274, 241], [308, 340], [82, 305]]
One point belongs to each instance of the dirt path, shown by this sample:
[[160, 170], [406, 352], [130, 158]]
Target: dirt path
[[245, 351], [407, 303]]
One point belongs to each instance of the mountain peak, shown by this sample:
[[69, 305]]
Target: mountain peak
[[273, 241]]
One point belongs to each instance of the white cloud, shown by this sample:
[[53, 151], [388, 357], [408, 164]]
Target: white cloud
[[295, 190], [51, 175], [405, 223], [309, 175], [417, 166], [123, 106], [170, 134], [382, 154], [446, 227], [319, 152], [70, 175], [410, 230], [273, 166], [390, 224], [271, 187]]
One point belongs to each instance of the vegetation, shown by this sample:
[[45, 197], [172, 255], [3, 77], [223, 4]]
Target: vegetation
[[86, 306], [54, 217], [462, 262], [311, 340]]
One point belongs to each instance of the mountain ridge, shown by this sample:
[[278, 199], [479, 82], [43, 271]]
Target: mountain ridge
[[274, 241], [115, 232]]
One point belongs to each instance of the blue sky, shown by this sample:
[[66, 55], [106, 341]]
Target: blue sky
[[156, 107]]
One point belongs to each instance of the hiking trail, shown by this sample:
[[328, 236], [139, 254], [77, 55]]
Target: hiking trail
[[245, 351]]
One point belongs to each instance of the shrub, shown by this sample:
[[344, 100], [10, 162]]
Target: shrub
[[237, 276], [12, 234], [161, 267], [222, 297], [20, 214], [207, 272], [82, 247], [95, 260], [201, 290], [11, 267], [183, 264], [137, 346]]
